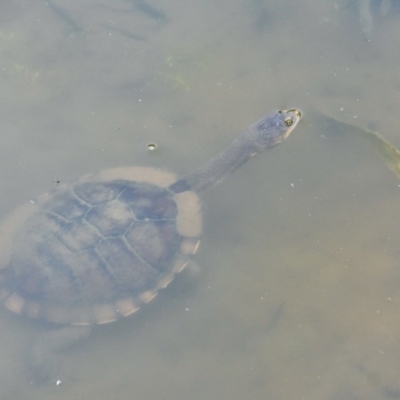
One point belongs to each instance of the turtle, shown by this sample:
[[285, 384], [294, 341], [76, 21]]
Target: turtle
[[94, 251]]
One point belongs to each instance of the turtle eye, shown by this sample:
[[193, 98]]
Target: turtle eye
[[288, 121]]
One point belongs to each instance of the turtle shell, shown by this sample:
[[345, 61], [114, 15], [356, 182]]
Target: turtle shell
[[92, 252]]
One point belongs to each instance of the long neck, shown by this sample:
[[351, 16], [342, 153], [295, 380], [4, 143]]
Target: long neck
[[217, 168], [264, 134]]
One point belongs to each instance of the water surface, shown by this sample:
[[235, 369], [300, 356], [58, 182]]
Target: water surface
[[298, 291]]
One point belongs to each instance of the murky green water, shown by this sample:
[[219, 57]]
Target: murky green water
[[298, 293]]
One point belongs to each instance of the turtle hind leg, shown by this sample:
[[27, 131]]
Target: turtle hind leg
[[45, 348]]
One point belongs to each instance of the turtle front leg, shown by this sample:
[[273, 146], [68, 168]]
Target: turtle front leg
[[44, 349], [386, 6], [366, 19]]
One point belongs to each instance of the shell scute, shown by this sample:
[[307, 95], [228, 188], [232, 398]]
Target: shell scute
[[67, 205], [112, 218], [79, 235], [97, 283], [95, 193], [130, 271], [149, 201], [156, 242]]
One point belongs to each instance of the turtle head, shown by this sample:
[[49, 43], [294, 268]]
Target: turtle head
[[272, 130]]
